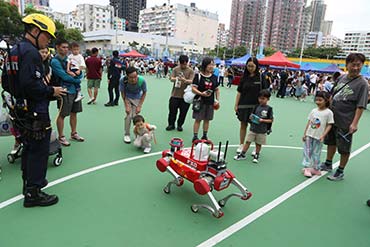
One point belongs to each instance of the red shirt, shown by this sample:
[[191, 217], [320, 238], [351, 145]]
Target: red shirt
[[94, 67]]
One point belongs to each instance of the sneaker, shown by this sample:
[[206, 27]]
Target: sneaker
[[147, 150], [108, 104], [179, 128], [307, 172], [127, 139], [315, 172], [253, 153], [115, 103], [79, 97], [76, 137], [63, 141], [170, 127], [91, 100], [240, 157], [255, 158], [195, 138], [337, 176], [325, 167], [239, 149], [204, 138]]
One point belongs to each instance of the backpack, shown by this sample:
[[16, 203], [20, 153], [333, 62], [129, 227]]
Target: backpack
[[140, 81], [55, 80], [10, 72]]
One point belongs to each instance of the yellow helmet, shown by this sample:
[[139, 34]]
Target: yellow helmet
[[43, 22]]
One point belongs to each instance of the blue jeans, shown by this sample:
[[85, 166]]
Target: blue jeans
[[311, 153]]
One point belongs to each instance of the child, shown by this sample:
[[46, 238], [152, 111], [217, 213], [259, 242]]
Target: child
[[75, 65], [261, 120], [320, 121], [144, 133]]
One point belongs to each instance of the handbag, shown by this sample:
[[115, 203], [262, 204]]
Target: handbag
[[5, 123], [197, 102]]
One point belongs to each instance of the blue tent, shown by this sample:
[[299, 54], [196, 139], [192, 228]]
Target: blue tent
[[241, 60], [308, 67], [217, 60], [228, 62], [330, 69]]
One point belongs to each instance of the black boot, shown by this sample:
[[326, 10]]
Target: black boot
[[44, 184], [35, 197]]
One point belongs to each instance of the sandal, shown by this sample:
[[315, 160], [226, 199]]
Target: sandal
[[76, 137], [63, 141]]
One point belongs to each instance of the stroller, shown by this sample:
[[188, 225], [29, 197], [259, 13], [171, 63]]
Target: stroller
[[55, 147]]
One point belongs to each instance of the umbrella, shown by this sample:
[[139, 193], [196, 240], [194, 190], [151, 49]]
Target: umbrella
[[278, 59]]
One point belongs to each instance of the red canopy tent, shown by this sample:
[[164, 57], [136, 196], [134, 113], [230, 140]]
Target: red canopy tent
[[278, 59], [132, 53]]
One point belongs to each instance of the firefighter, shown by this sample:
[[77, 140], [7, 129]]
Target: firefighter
[[24, 80]]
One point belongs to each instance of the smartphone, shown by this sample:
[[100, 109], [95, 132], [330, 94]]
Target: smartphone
[[209, 91]]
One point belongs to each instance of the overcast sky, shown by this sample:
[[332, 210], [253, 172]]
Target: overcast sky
[[347, 15]]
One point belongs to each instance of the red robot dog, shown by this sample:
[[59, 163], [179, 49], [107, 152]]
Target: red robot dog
[[205, 167]]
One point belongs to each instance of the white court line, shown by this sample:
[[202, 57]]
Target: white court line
[[113, 163], [268, 207]]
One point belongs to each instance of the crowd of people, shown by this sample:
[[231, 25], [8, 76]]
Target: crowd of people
[[39, 78]]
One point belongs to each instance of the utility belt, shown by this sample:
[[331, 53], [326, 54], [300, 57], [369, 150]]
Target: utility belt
[[32, 125]]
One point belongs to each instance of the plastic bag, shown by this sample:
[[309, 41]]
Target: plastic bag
[[188, 94], [5, 123]]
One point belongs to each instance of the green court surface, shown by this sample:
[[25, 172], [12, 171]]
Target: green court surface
[[123, 204]]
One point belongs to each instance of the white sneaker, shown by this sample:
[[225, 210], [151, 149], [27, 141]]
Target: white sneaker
[[127, 139], [147, 150], [240, 149], [91, 100], [253, 153], [79, 97]]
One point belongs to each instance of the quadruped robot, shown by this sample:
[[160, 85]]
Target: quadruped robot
[[205, 167]]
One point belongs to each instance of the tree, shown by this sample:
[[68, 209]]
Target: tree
[[268, 51], [31, 10], [314, 52], [10, 22], [73, 34], [240, 51]]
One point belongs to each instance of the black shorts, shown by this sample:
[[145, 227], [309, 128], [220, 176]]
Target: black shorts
[[339, 138], [244, 114], [69, 105]]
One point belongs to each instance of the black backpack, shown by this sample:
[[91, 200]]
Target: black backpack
[[55, 80]]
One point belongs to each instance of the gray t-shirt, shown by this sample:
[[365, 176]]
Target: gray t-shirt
[[345, 102], [264, 112]]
